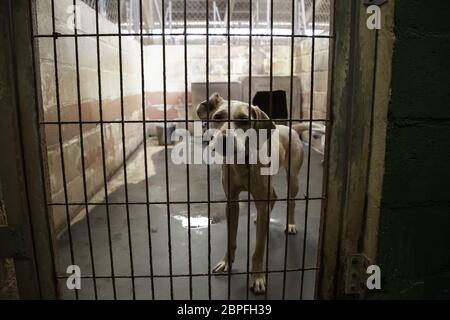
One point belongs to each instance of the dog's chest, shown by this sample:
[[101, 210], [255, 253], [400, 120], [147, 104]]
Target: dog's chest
[[243, 175]]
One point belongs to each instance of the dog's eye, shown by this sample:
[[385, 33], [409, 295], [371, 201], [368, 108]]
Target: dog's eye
[[241, 118], [218, 116]]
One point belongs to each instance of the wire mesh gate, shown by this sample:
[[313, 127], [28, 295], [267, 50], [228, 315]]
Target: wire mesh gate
[[141, 34]]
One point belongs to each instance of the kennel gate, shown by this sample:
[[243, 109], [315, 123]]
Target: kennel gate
[[39, 207]]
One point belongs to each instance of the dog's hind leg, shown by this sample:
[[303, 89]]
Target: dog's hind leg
[[232, 212]]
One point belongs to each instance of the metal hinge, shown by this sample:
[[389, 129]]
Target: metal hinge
[[355, 278], [374, 2], [11, 243]]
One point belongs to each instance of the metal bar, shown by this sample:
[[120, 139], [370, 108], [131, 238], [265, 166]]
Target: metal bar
[[60, 138], [83, 164], [174, 120], [289, 150], [188, 183], [165, 150], [208, 168], [193, 274], [269, 193], [311, 108], [102, 143], [320, 283], [229, 126], [180, 202], [144, 132], [248, 165], [178, 34], [124, 156]]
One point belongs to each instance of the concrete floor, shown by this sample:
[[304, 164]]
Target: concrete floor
[[179, 235]]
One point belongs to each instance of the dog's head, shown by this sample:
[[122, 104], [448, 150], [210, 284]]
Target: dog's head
[[242, 117]]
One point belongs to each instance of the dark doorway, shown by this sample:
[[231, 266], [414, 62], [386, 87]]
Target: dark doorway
[[279, 104]]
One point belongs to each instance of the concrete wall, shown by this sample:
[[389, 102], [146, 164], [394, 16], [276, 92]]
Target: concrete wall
[[303, 64], [414, 237], [321, 70], [239, 67], [218, 62], [89, 102]]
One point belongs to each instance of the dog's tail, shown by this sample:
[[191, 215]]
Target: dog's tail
[[300, 128]]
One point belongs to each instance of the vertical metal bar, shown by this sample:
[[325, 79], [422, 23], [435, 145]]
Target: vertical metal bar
[[32, 16], [250, 121], [60, 138], [188, 187], [309, 145], [144, 132], [229, 126], [83, 164], [289, 150], [165, 150], [208, 168], [124, 155], [269, 193], [102, 142]]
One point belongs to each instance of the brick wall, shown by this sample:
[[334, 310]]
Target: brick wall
[[414, 238], [89, 102], [321, 69], [320, 91]]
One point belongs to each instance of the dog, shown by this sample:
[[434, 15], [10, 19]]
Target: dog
[[216, 108]]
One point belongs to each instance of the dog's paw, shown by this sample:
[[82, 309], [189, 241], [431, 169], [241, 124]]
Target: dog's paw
[[291, 229], [259, 284], [222, 266]]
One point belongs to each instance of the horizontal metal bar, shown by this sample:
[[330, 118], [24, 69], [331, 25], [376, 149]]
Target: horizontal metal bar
[[178, 202], [188, 275], [174, 121], [179, 34]]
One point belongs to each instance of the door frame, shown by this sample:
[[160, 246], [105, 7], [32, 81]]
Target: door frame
[[23, 165], [359, 87], [359, 98]]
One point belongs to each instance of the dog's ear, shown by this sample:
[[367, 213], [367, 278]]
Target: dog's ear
[[258, 114], [208, 107]]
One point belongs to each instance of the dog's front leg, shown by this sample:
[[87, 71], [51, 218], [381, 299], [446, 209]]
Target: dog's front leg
[[232, 211], [262, 221]]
